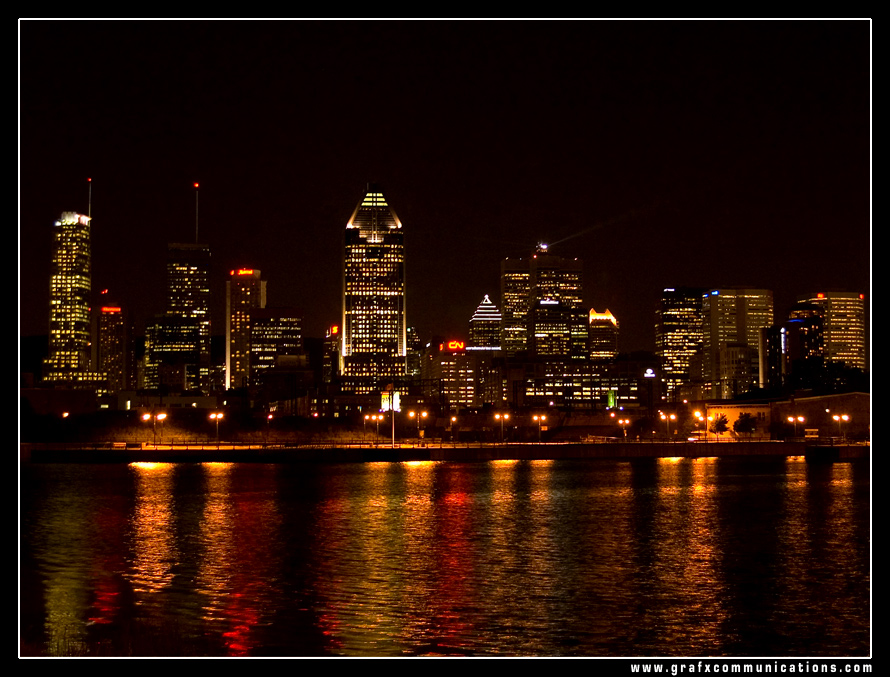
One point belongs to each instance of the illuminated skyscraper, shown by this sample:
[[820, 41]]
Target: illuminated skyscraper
[[374, 322], [845, 332], [732, 320], [172, 355], [69, 300], [541, 297], [245, 291], [515, 276], [275, 340], [452, 368], [678, 334], [485, 327], [112, 349], [603, 336], [188, 297]]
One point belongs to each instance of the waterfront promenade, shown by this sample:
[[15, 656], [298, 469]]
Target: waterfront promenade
[[340, 452]]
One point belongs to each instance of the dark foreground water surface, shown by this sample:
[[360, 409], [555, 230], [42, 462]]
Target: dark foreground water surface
[[669, 557]]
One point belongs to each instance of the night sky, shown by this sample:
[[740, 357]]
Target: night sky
[[661, 153]]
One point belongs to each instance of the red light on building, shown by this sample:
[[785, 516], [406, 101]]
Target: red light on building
[[245, 271], [455, 345], [335, 329], [111, 309]]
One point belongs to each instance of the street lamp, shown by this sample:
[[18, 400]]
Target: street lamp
[[624, 422], [216, 417], [502, 418], [840, 418], [417, 416], [667, 422], [539, 418], [376, 418], [154, 418], [794, 421], [704, 421]]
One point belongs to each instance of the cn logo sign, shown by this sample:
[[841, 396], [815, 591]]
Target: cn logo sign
[[452, 345]]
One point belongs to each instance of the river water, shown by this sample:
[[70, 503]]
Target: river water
[[596, 558]]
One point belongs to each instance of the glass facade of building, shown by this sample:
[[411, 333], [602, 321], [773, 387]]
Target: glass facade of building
[[534, 291], [374, 322], [845, 332], [732, 322], [678, 334], [188, 297]]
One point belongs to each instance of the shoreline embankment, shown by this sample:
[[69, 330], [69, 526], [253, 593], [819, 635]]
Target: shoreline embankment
[[339, 453]]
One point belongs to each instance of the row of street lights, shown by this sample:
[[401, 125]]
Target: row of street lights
[[839, 418], [418, 416], [160, 417]]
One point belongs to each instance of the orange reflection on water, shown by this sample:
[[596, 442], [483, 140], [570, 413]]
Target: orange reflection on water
[[154, 552], [688, 570]]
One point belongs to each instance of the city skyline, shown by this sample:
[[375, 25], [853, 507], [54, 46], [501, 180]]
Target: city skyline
[[648, 171]]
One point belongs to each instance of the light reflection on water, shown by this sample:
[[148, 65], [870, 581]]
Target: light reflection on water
[[674, 557]]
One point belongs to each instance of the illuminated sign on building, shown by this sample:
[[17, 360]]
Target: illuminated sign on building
[[452, 346]]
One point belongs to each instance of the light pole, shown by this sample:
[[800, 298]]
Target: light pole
[[502, 418], [539, 419], [417, 416], [216, 417], [149, 417], [667, 418], [154, 418], [840, 418], [794, 421], [624, 422], [704, 422]]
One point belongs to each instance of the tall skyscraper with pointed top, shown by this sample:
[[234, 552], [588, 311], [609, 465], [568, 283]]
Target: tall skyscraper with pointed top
[[485, 327], [374, 321]]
